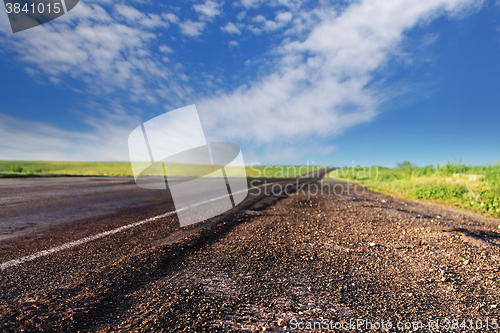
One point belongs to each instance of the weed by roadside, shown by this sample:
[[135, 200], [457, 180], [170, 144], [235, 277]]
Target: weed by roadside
[[475, 188]]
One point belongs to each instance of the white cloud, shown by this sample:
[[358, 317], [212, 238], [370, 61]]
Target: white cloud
[[284, 17], [166, 49], [292, 4], [34, 140], [241, 15], [253, 29], [272, 25], [170, 17], [132, 15], [91, 12], [250, 3], [105, 53], [192, 29], [208, 10], [320, 85], [259, 19], [233, 43], [429, 39], [153, 21], [231, 28]]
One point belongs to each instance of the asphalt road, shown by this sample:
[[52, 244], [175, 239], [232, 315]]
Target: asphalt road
[[269, 264], [37, 214], [34, 203]]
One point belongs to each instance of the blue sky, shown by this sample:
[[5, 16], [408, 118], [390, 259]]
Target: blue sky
[[363, 82]]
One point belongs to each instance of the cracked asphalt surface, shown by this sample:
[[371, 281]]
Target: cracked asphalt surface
[[270, 266]]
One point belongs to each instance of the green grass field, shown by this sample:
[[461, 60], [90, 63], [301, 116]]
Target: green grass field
[[474, 188], [447, 184], [45, 168]]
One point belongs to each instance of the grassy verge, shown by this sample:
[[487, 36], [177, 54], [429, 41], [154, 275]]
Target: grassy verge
[[48, 168], [123, 169], [473, 188]]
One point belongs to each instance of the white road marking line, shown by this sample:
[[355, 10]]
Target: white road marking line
[[69, 245], [43, 253]]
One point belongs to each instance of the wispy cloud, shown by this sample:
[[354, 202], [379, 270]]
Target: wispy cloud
[[281, 20], [208, 10], [192, 29], [231, 28], [166, 49], [429, 39], [92, 46], [250, 3], [241, 15], [321, 85], [35, 140], [130, 13], [317, 82], [172, 18]]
